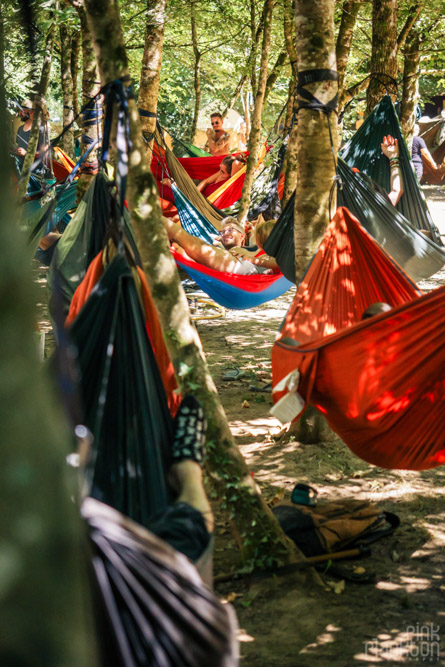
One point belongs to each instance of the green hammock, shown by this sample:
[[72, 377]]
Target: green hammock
[[194, 151], [363, 151], [123, 398], [84, 238]]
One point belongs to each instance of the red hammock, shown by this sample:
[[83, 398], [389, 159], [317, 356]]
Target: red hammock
[[380, 383], [62, 164], [349, 272], [366, 376], [197, 168], [92, 276]]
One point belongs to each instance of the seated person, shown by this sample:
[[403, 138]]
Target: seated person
[[218, 140], [26, 114], [228, 167], [390, 148], [222, 259]]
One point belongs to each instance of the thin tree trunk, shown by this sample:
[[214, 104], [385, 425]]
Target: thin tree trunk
[[255, 132], [66, 36], [43, 602], [290, 165], [197, 72], [255, 36], [411, 75], [151, 67], [91, 128], [411, 19], [257, 529], [350, 10], [75, 53], [235, 95], [246, 106], [38, 111], [274, 74], [384, 52], [315, 163]]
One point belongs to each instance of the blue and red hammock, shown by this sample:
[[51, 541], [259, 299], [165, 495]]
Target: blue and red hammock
[[380, 383]]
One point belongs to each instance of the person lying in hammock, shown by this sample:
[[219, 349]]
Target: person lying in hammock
[[234, 260], [390, 148], [228, 168]]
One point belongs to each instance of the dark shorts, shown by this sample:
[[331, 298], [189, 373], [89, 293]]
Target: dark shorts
[[184, 528], [418, 166]]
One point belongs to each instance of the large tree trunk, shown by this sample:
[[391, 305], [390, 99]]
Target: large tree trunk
[[350, 10], [197, 72], [411, 74], [255, 131], [75, 53], [66, 40], [151, 68], [39, 104], [315, 162], [384, 52], [43, 601], [257, 529]]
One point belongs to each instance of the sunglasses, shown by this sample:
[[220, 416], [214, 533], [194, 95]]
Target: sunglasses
[[230, 230]]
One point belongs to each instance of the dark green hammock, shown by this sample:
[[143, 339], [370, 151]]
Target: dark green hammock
[[84, 238], [364, 152], [123, 398]]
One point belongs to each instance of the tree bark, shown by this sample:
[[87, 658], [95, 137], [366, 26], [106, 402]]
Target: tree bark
[[235, 95], [255, 132], [43, 601], [257, 530], [315, 163], [197, 72], [411, 75], [274, 74], [411, 19], [384, 52], [290, 159], [151, 67], [66, 40], [75, 53], [39, 104], [350, 10]]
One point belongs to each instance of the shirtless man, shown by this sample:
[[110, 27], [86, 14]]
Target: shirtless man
[[218, 139]]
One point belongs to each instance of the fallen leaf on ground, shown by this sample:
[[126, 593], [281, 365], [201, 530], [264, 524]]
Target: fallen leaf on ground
[[245, 404]]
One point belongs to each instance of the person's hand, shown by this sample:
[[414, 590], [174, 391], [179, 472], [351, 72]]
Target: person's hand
[[21, 151], [237, 251], [166, 181], [208, 132], [390, 147]]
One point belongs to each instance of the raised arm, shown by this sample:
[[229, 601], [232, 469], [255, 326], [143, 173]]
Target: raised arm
[[390, 148]]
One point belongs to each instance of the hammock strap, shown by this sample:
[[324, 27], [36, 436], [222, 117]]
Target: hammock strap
[[311, 102]]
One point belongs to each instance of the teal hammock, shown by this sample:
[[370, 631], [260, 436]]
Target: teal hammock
[[363, 151], [192, 220], [194, 151]]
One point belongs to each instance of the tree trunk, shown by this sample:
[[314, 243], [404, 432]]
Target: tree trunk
[[197, 73], [66, 38], [274, 74], [290, 159], [151, 67], [255, 36], [350, 10], [255, 132], [75, 53], [91, 127], [257, 530], [384, 52], [411, 74], [235, 95], [315, 162], [246, 106], [43, 602], [38, 112]]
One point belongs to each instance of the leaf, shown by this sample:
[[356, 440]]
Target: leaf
[[245, 404]]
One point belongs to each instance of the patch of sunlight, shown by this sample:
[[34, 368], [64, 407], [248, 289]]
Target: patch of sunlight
[[244, 637], [326, 637], [414, 584], [256, 427]]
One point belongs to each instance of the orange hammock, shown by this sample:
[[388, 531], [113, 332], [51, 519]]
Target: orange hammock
[[349, 272], [62, 164], [380, 383], [92, 276]]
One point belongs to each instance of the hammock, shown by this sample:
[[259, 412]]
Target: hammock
[[154, 331], [380, 383], [434, 176], [419, 256], [62, 164], [232, 290], [192, 220], [280, 243], [151, 606], [194, 151], [348, 273], [84, 238], [363, 151], [123, 398]]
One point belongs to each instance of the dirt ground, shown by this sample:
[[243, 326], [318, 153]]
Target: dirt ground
[[288, 620]]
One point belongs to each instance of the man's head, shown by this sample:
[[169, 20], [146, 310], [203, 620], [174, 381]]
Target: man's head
[[27, 110], [216, 121], [376, 309], [232, 233]]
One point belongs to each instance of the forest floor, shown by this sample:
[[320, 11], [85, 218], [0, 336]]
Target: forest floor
[[288, 620]]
